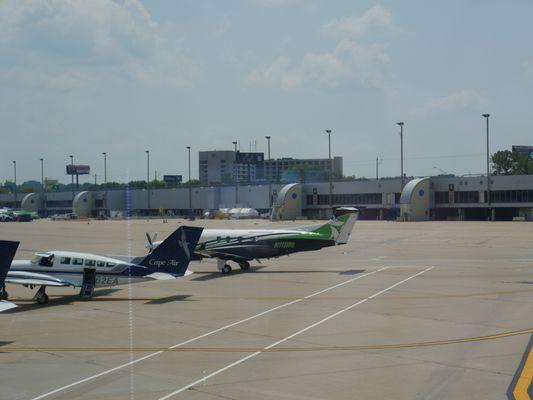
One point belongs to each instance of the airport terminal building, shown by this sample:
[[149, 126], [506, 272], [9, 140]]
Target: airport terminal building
[[424, 198]]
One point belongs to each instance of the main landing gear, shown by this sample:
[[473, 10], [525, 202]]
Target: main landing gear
[[41, 297], [226, 269], [245, 265]]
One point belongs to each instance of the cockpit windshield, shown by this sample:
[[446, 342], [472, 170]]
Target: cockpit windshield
[[46, 260]]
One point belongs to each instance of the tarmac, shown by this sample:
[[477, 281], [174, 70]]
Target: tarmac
[[429, 310]]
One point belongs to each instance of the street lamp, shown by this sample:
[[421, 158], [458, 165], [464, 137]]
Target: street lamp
[[105, 181], [189, 182], [15, 179], [328, 131], [269, 175], [486, 116], [400, 124], [43, 199], [148, 177], [72, 176], [236, 175]]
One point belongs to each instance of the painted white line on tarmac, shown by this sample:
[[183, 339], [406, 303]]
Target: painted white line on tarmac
[[242, 321], [246, 358]]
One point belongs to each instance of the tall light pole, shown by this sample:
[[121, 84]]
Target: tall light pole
[[15, 179], [72, 176], [377, 168], [486, 116], [269, 176], [400, 124], [189, 182], [43, 199], [105, 181], [236, 175], [148, 177], [105, 167], [328, 131]]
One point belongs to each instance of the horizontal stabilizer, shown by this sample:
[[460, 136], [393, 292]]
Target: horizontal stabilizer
[[6, 305]]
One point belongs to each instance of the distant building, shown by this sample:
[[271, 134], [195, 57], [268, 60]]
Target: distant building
[[297, 169], [226, 167]]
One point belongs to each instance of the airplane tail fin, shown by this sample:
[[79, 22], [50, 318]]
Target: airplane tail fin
[[7, 253], [173, 255], [339, 227]]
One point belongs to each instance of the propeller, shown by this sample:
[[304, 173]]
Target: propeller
[[151, 241]]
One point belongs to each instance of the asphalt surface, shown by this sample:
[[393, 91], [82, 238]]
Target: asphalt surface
[[433, 310]]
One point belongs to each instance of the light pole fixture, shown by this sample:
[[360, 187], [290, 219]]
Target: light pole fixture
[[486, 116], [330, 171], [400, 124]]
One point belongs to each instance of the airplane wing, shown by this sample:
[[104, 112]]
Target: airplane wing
[[36, 279]]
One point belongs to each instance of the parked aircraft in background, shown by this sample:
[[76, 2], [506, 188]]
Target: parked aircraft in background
[[87, 271], [243, 245]]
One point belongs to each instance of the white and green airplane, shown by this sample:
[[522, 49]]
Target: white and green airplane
[[243, 245]]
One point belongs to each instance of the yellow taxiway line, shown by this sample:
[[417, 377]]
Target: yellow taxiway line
[[527, 372], [525, 379]]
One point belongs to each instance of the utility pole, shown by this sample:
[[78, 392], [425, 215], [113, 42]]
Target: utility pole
[[377, 168], [400, 124], [486, 116], [328, 131]]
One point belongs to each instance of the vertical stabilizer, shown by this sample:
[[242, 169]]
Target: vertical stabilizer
[[173, 255]]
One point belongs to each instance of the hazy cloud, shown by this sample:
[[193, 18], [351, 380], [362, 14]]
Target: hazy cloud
[[528, 69], [274, 3], [466, 99], [356, 26], [351, 64], [73, 42]]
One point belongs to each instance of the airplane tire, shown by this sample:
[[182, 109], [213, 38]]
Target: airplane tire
[[43, 299], [5, 296], [245, 265], [226, 269]]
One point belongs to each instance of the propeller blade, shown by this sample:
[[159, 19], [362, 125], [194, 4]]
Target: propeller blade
[[148, 238]]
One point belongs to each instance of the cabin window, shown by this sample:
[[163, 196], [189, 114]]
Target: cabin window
[[65, 260], [77, 261], [110, 265], [100, 263], [90, 263]]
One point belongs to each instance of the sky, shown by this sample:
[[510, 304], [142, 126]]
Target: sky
[[83, 77]]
